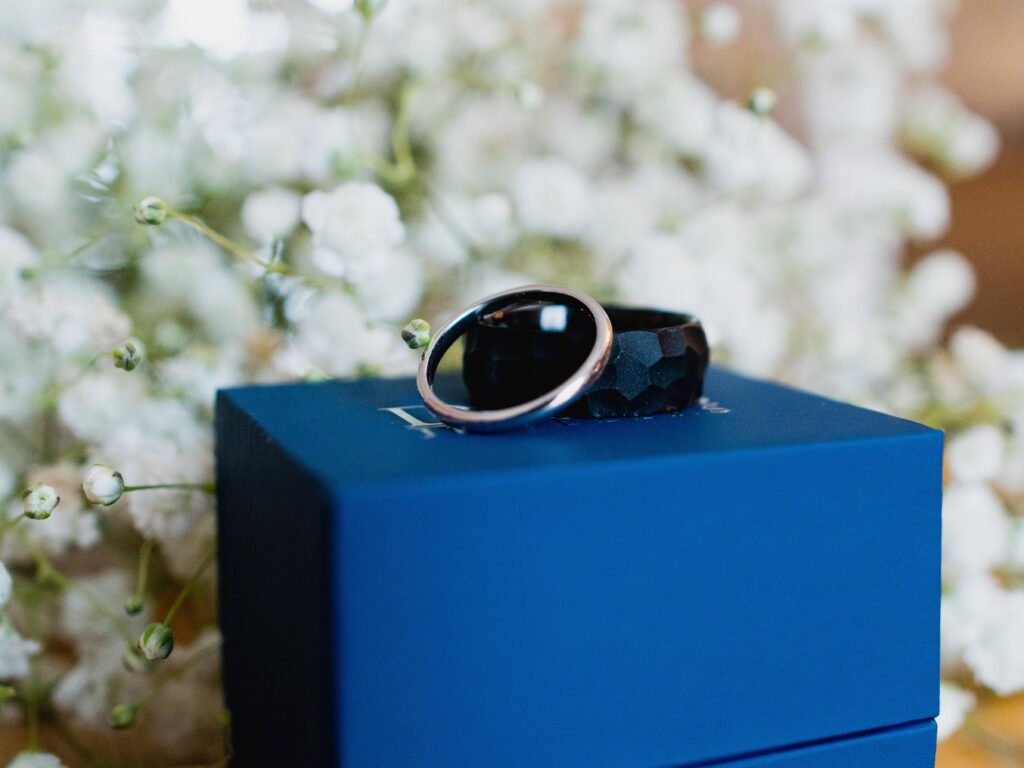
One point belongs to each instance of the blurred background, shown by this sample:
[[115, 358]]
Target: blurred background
[[466, 147], [987, 69]]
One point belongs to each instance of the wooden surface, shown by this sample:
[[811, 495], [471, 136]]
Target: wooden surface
[[986, 70], [992, 738]]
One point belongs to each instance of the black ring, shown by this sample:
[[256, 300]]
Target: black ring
[[657, 361]]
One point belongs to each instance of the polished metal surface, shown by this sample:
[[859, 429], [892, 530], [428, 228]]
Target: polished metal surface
[[503, 419]]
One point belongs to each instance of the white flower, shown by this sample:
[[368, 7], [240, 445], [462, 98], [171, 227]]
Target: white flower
[[270, 213], [352, 224], [194, 280], [980, 357], [15, 651], [389, 286], [942, 283], [35, 760], [16, 257], [977, 453], [750, 154], [850, 95], [103, 485], [319, 319], [938, 286], [70, 313], [881, 187], [720, 23], [38, 183], [996, 654], [5, 587], [939, 127], [975, 530], [629, 45], [954, 704], [551, 198], [39, 501], [680, 111]]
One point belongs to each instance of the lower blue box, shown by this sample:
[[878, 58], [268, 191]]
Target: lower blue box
[[907, 746]]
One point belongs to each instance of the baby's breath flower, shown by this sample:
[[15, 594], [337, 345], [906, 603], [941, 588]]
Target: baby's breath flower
[[123, 716], [103, 485], [151, 210], [35, 760], [5, 586], [156, 641], [762, 101], [127, 356], [720, 23], [416, 334], [40, 500]]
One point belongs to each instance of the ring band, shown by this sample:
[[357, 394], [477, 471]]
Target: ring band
[[657, 363], [543, 404]]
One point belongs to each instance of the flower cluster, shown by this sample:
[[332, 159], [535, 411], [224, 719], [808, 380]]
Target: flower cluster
[[249, 191]]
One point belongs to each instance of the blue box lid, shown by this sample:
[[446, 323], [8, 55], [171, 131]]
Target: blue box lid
[[756, 572]]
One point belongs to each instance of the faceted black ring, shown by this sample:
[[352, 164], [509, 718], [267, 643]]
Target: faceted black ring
[[657, 361]]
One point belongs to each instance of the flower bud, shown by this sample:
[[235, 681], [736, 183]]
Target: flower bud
[[156, 641], [127, 357], [133, 605], [762, 101], [529, 95], [123, 715], [369, 8], [416, 334], [103, 485], [40, 501], [152, 211]]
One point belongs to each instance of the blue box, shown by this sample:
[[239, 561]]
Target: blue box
[[756, 573]]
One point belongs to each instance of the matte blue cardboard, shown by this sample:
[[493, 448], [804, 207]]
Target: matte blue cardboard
[[753, 574]]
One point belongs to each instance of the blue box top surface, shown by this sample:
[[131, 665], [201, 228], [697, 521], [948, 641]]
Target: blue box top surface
[[344, 432]]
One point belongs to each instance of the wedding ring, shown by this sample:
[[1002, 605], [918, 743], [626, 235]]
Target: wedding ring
[[541, 406], [657, 363]]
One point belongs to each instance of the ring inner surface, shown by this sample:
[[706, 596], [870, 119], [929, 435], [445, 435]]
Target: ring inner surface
[[502, 350]]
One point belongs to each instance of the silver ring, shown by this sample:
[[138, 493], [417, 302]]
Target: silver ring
[[502, 419]]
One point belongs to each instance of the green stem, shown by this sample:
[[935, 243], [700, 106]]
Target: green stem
[[210, 488], [357, 62], [192, 582], [9, 524], [47, 571], [405, 164], [155, 689], [140, 582], [235, 249], [32, 715], [89, 760]]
